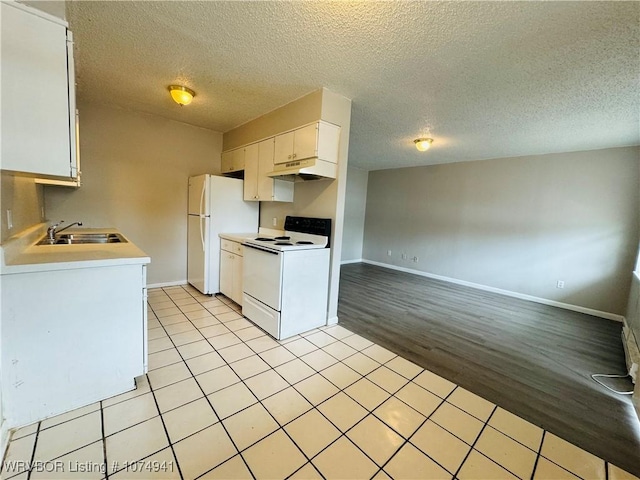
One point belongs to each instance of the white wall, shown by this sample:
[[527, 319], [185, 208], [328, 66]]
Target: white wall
[[354, 214], [135, 170], [57, 8], [24, 198], [516, 224]]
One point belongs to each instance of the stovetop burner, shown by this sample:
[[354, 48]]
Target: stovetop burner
[[299, 234]]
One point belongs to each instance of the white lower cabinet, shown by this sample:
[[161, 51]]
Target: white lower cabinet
[[70, 338], [231, 270]]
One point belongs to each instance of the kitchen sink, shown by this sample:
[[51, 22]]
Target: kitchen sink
[[83, 238]]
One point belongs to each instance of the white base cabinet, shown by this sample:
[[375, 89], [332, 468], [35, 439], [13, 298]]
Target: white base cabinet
[[70, 338], [231, 270]]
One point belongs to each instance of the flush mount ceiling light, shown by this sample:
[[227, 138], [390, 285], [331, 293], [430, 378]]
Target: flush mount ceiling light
[[181, 95], [423, 144]]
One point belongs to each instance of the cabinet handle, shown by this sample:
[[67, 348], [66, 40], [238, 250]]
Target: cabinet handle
[[294, 155], [289, 157]]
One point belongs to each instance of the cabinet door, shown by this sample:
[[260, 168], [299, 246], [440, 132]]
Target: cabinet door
[[226, 273], [232, 160], [265, 165], [238, 158], [283, 148], [236, 295], [36, 136], [305, 142], [252, 172], [226, 162]]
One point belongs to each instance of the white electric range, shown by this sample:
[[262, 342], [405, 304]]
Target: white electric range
[[286, 278]]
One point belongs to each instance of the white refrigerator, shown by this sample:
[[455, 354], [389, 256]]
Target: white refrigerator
[[216, 206]]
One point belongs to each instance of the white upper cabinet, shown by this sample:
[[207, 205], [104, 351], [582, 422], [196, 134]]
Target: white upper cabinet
[[257, 185], [233, 160], [38, 93], [319, 139]]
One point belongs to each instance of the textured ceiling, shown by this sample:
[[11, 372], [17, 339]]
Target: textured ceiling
[[484, 79]]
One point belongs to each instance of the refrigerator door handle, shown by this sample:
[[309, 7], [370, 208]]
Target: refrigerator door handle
[[202, 212], [202, 219], [204, 187]]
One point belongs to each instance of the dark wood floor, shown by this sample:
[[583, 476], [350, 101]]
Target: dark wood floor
[[531, 359]]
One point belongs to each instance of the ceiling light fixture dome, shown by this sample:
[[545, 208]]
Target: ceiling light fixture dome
[[181, 95], [423, 144]]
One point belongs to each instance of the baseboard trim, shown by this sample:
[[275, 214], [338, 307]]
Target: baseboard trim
[[346, 262], [4, 440], [508, 293], [167, 284]]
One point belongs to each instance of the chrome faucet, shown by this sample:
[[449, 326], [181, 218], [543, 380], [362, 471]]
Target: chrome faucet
[[51, 231]]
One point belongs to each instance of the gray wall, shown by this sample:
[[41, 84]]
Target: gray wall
[[135, 170], [354, 210], [517, 224]]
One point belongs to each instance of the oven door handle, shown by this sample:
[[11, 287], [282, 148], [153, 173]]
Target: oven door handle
[[261, 249]]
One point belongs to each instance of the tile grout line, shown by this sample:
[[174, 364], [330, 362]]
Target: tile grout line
[[314, 406], [215, 413], [564, 468], [466, 457], [259, 401], [486, 456], [340, 390], [33, 452], [539, 452], [369, 412], [408, 439], [166, 432], [104, 443]]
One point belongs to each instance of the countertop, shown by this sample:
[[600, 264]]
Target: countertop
[[20, 254], [237, 237], [240, 237]]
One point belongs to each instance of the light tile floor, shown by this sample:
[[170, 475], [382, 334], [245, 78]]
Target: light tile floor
[[224, 400]]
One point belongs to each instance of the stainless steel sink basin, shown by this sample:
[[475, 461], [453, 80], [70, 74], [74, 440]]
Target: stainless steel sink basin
[[83, 238]]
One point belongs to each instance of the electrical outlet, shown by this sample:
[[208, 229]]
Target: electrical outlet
[[275, 221], [415, 259], [388, 253], [404, 256], [560, 284]]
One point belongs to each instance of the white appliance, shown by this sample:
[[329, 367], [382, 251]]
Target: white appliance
[[216, 206], [286, 279]]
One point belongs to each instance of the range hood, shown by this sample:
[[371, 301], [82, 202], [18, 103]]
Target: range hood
[[307, 169]]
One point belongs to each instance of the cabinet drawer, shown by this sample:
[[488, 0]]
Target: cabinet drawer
[[230, 246], [225, 245]]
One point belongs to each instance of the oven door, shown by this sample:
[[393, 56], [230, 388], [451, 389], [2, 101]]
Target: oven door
[[262, 275]]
